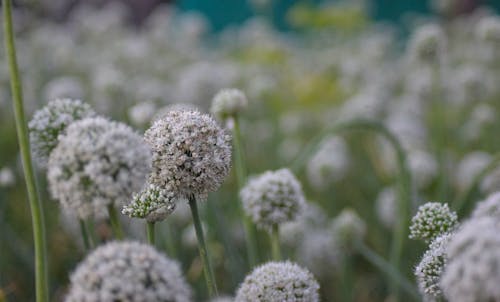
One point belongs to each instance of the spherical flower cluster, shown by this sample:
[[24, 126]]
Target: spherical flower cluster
[[152, 203], [279, 282], [473, 269], [141, 113], [432, 219], [320, 252], [228, 103], [386, 206], [97, 163], [490, 207], [348, 228], [7, 177], [191, 153], [488, 29], [51, 121], [128, 271], [329, 164], [428, 271], [273, 198], [469, 167], [427, 44]]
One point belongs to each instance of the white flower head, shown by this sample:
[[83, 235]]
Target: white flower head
[[228, 103], [432, 219], [490, 207], [488, 29], [348, 228], [51, 121], [7, 177], [386, 207], [469, 167], [191, 153], [427, 44], [430, 268], [279, 282], [320, 252], [128, 271], [273, 198], [97, 163], [473, 270], [152, 203]]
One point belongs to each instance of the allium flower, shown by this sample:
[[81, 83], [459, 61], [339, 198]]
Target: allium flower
[[128, 271], [97, 163], [469, 167], [320, 252], [432, 219], [330, 163], [427, 44], [142, 113], [311, 218], [278, 282], [491, 183], [386, 206], [164, 111], [490, 207], [488, 29], [428, 271], [273, 198], [228, 103], [473, 270], [7, 177], [348, 228], [152, 203], [191, 153], [51, 121], [423, 167]]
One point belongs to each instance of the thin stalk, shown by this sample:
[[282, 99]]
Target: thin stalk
[[202, 248], [115, 222], [150, 231], [385, 267], [404, 179], [239, 163], [170, 242], [347, 282], [87, 240], [467, 193], [37, 216], [275, 243]]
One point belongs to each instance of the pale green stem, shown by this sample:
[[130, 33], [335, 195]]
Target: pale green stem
[[37, 216], [385, 267], [275, 243], [467, 193], [115, 222], [403, 178], [87, 240], [150, 231], [170, 243], [202, 248], [347, 282], [239, 163]]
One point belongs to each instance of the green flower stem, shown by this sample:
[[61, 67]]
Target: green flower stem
[[275, 243], [202, 247], [37, 216], [467, 193], [87, 240], [150, 231], [170, 241], [404, 180], [115, 222], [385, 267], [251, 242], [347, 281]]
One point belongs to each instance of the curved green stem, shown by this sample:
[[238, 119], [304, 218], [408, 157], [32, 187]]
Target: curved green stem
[[87, 240], [384, 266], [150, 231], [404, 179], [239, 163], [115, 222], [467, 193], [275, 243], [37, 216], [202, 247]]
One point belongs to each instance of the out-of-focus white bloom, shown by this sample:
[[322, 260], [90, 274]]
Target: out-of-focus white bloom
[[142, 113], [468, 84], [490, 207], [473, 270], [469, 167], [97, 163], [312, 217], [152, 203], [481, 116], [432, 220], [7, 177], [278, 282], [386, 207], [488, 29], [191, 153], [329, 164], [273, 198], [423, 167], [63, 87], [223, 299], [289, 148], [348, 228], [428, 271], [228, 103], [367, 104], [128, 271], [446, 7], [427, 44], [319, 251], [51, 121], [491, 183], [189, 238]]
